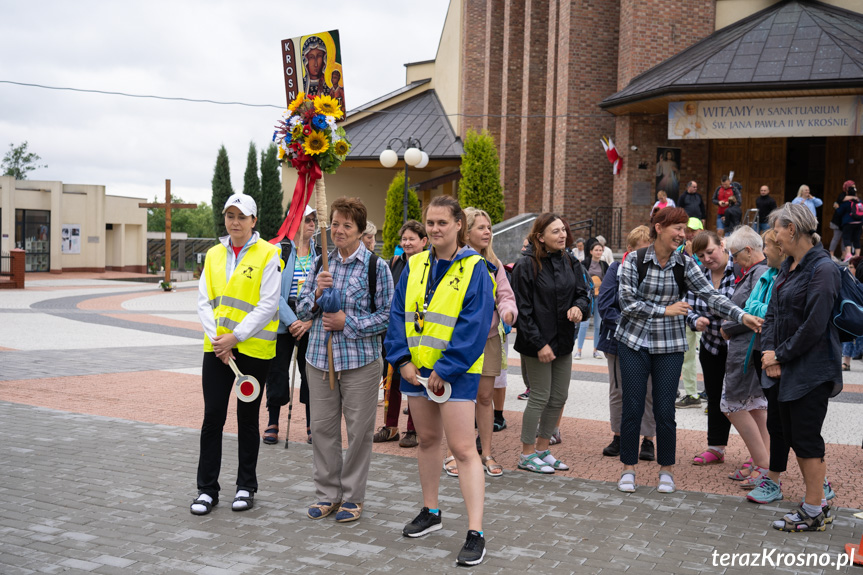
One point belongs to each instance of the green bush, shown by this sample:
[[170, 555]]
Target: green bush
[[394, 210], [480, 176]]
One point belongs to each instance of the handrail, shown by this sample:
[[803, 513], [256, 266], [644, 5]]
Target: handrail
[[513, 226]]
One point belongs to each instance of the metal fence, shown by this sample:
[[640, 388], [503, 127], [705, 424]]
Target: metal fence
[[608, 225], [183, 252], [5, 264]]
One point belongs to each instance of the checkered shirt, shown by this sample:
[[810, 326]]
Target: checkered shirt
[[711, 339], [643, 324], [358, 343]]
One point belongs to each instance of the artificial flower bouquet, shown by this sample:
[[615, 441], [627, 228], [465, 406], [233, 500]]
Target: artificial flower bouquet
[[307, 133]]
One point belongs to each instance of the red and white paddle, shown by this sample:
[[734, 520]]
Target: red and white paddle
[[246, 387], [436, 396]]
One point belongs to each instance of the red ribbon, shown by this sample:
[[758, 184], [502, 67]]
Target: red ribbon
[[309, 173]]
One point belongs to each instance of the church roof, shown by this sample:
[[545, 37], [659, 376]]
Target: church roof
[[792, 45], [421, 117]]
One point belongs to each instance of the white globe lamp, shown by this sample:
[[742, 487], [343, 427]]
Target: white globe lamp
[[389, 158]]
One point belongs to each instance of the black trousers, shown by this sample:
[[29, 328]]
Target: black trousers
[[713, 366], [279, 378], [778, 447], [217, 380]]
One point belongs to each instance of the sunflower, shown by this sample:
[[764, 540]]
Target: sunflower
[[341, 147], [328, 106], [297, 132], [301, 97], [316, 143]]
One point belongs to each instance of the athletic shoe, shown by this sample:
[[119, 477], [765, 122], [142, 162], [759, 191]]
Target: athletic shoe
[[499, 424], [473, 551], [688, 402], [597, 355], [648, 450], [613, 448], [409, 439], [525, 395], [768, 492], [577, 355], [424, 523], [828, 491]]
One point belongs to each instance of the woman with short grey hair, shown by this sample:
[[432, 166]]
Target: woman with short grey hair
[[743, 401], [800, 347]]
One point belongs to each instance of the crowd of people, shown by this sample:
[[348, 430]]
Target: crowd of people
[[433, 324]]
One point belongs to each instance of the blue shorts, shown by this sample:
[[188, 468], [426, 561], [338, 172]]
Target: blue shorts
[[464, 390], [719, 224]]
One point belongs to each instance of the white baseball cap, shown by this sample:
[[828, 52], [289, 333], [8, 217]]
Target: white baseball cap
[[309, 210], [244, 202]]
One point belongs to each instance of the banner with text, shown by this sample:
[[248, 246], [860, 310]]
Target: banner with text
[[767, 118]]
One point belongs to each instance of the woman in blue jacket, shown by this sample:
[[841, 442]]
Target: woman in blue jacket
[[292, 331]]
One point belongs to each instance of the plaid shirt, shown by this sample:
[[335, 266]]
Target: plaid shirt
[[711, 339], [358, 343], [643, 324]]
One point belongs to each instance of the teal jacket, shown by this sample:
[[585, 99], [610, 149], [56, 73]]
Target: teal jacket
[[757, 304]]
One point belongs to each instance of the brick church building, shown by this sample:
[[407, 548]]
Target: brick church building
[[772, 91]]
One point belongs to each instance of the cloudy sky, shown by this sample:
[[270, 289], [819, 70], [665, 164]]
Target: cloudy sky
[[224, 51]]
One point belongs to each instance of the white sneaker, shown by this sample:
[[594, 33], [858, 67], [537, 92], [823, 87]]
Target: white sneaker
[[577, 355], [597, 355]]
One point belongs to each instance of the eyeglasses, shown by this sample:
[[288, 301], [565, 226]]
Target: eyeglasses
[[734, 254], [419, 318]]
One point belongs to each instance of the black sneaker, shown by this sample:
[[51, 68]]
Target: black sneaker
[[425, 522], [613, 448], [648, 451], [473, 551]]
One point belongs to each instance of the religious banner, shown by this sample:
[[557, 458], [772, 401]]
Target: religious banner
[[764, 118], [313, 65]]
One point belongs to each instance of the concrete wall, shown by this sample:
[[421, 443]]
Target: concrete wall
[[447, 64], [730, 11]]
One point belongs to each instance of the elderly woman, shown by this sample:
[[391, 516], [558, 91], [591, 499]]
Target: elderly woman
[[743, 401], [651, 338], [801, 347], [354, 329], [719, 271]]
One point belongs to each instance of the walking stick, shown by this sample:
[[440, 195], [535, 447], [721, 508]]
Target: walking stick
[[291, 389], [387, 384], [323, 220]]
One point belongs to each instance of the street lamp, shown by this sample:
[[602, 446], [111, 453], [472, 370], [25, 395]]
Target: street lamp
[[414, 156]]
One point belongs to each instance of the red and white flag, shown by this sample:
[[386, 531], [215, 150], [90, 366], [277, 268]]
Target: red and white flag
[[612, 154]]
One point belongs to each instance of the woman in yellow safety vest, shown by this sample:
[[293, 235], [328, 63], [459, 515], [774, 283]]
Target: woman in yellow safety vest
[[238, 303], [438, 329]]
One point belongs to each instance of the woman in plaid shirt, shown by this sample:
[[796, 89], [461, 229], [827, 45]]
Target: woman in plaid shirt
[[652, 339], [719, 271]]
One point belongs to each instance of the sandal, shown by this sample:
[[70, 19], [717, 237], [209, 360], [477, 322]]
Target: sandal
[[799, 520], [550, 459], [208, 506], [385, 434], [451, 470], [499, 424], [755, 478], [534, 463], [739, 474], [666, 483], [271, 435], [321, 509], [846, 367], [249, 501], [492, 469], [626, 484], [347, 514], [709, 457]]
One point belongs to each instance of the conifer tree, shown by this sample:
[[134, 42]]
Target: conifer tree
[[251, 180], [394, 212], [222, 190], [480, 176], [270, 213]]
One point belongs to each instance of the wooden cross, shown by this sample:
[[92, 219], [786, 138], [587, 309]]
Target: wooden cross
[[168, 205]]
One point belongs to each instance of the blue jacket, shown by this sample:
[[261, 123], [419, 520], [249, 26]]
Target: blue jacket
[[608, 308], [845, 213], [286, 314], [468, 336]]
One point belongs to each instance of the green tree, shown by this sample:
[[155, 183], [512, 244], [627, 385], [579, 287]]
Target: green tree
[[251, 180], [480, 176], [198, 223], [270, 209], [222, 190], [18, 162], [394, 212]]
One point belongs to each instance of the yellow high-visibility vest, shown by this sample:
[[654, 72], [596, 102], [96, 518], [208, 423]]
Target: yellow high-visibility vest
[[439, 320], [234, 299]]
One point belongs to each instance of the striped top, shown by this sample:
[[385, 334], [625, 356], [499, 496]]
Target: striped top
[[301, 270]]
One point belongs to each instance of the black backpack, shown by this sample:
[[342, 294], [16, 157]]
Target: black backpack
[[679, 271]]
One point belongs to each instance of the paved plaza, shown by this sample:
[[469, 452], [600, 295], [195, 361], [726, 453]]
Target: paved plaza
[[99, 408]]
